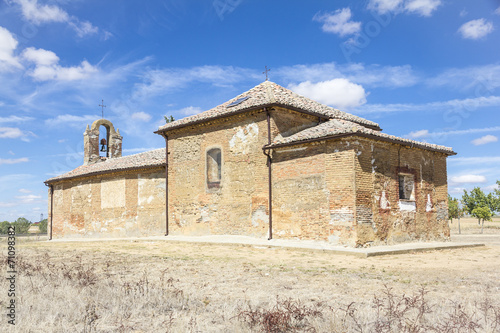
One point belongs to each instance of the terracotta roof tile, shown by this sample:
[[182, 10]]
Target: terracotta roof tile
[[336, 127], [147, 159], [266, 94]]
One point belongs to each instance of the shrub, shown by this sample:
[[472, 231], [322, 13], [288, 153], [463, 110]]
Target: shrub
[[286, 316]]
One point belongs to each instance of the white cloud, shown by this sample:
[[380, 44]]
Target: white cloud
[[467, 104], [481, 79], [8, 61], [418, 134], [86, 28], [339, 93], [480, 160], [490, 188], [476, 29], [419, 7], [46, 67], [15, 133], [39, 14], [14, 119], [422, 7], [23, 190], [338, 22], [30, 198], [463, 12], [484, 140], [497, 11], [464, 179], [190, 110], [140, 116], [163, 81], [456, 190], [40, 57], [13, 160], [426, 133], [367, 75], [384, 6], [71, 120]]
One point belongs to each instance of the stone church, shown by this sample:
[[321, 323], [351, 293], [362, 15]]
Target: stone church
[[268, 163]]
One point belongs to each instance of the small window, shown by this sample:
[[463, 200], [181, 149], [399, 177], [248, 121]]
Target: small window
[[213, 168], [406, 187]]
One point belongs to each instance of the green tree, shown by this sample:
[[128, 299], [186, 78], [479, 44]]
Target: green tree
[[4, 227], [453, 209], [477, 198], [22, 225], [482, 213], [42, 226], [496, 197]]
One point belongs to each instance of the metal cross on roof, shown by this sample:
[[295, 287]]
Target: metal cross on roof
[[265, 72], [102, 108]]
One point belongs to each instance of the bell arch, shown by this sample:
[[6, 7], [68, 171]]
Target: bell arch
[[91, 142]]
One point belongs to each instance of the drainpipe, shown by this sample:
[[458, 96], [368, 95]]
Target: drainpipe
[[269, 164], [51, 187], [166, 184]]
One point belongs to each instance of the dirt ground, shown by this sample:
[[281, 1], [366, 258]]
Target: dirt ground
[[162, 286]]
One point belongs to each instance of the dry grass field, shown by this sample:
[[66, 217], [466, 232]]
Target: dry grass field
[[156, 286]]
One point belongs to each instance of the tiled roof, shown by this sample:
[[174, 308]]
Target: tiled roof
[[337, 127], [147, 159], [266, 94]]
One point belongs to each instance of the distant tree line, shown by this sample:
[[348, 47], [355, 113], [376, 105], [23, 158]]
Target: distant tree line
[[21, 225], [476, 204]]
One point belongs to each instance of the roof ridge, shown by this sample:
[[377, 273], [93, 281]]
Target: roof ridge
[[331, 128], [150, 158], [268, 93]]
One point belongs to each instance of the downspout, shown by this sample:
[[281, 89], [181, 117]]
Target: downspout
[[269, 164], [166, 184], [51, 187]]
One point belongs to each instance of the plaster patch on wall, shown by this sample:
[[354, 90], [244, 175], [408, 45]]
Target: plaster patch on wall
[[244, 139], [334, 239], [206, 213], [81, 196], [384, 203], [428, 205], [113, 193], [408, 206], [343, 216], [259, 216], [150, 189]]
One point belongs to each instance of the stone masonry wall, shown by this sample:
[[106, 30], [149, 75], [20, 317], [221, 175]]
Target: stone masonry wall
[[111, 205]]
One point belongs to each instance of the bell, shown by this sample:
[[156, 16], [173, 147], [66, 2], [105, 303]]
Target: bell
[[103, 143]]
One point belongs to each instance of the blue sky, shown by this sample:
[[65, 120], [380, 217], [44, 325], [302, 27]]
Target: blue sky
[[423, 69]]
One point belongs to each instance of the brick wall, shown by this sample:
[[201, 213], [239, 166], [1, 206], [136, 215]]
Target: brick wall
[[345, 191], [378, 165]]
